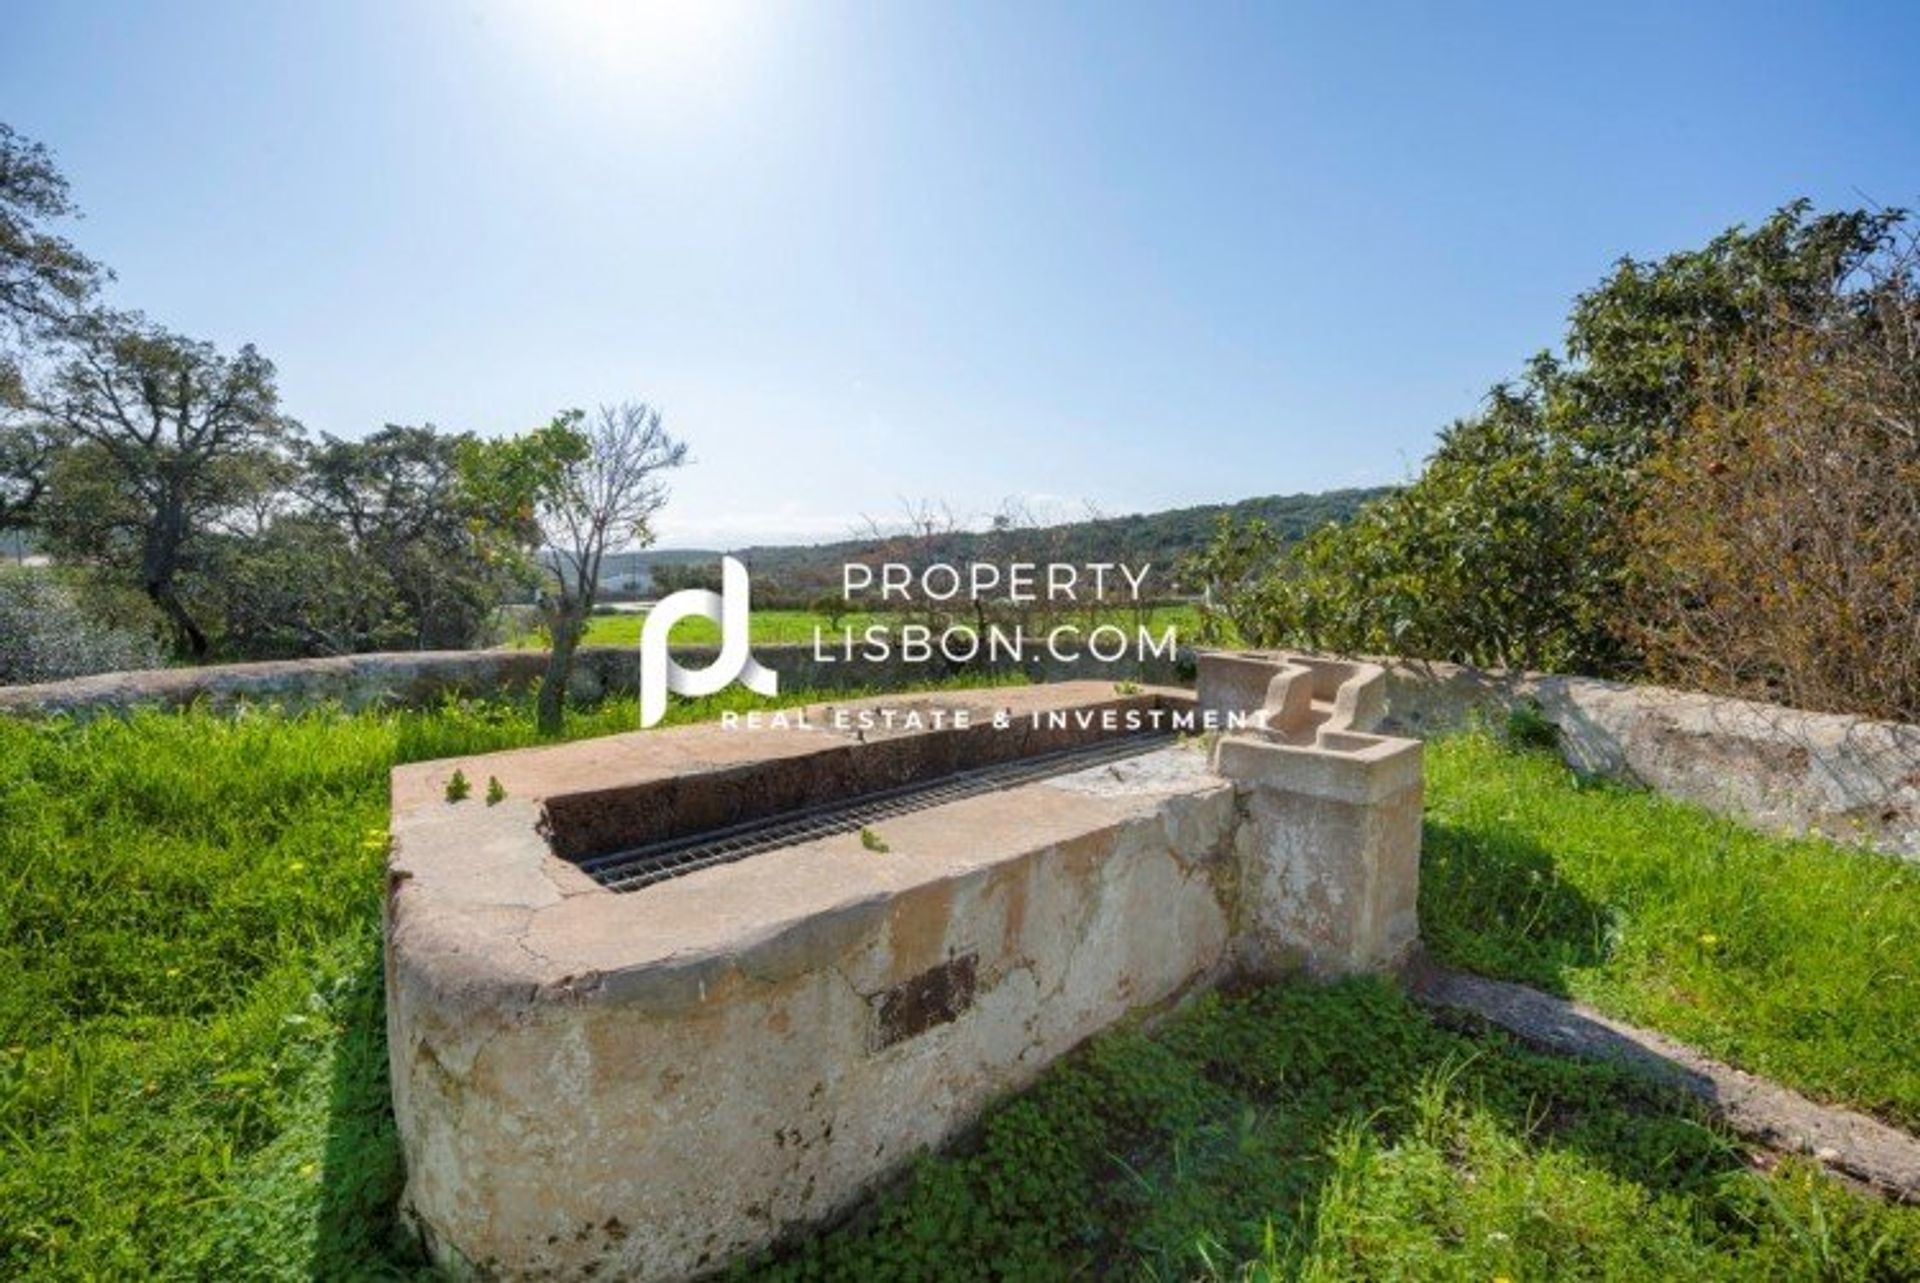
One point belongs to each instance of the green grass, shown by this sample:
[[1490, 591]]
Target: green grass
[[192, 1064], [192, 1061], [1794, 959], [796, 627], [1331, 1134]]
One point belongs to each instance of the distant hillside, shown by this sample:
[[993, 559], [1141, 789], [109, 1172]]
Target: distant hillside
[[1161, 538], [631, 573]]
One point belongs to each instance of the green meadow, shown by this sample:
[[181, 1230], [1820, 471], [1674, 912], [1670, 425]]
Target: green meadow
[[193, 1077]]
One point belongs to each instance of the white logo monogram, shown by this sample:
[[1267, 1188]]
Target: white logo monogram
[[660, 672]]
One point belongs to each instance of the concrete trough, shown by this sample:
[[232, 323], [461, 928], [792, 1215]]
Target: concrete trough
[[649, 1084]]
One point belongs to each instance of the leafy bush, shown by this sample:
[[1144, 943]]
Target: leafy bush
[[1501, 554], [47, 634], [1778, 550], [1516, 544]]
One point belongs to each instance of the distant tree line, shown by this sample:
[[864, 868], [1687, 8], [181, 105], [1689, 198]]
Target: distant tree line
[[1716, 483], [181, 505], [799, 575]]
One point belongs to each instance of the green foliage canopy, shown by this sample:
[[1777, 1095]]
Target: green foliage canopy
[[1509, 549]]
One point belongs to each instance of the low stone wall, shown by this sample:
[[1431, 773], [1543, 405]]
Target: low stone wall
[[1780, 769], [413, 679], [1777, 768]]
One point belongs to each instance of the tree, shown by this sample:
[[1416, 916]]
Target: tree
[[397, 497], [671, 578], [1513, 546], [44, 280], [575, 490], [26, 453], [296, 587], [158, 438], [1228, 571]]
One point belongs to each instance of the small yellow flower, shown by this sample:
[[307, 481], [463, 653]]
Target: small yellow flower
[[298, 866], [1708, 939], [172, 972]]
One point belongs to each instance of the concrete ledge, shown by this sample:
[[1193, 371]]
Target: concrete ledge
[[415, 679], [1780, 769], [1359, 769], [1851, 1143]]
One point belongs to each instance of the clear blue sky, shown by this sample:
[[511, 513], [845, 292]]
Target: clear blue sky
[[1139, 256]]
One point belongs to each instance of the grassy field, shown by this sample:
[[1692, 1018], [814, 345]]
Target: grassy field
[[192, 1074], [1793, 959], [796, 627]]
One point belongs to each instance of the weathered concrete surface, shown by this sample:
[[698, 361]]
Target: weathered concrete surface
[[1330, 850], [1858, 1146], [646, 1085], [415, 679], [411, 679], [1329, 847], [1299, 694], [650, 1084], [1777, 768]]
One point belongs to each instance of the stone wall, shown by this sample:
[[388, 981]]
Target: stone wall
[[1777, 768], [412, 679]]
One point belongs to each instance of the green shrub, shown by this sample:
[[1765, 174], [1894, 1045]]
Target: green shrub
[[48, 634], [1515, 546]]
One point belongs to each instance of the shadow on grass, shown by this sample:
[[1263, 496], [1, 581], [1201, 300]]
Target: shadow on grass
[[1494, 902], [359, 1234]]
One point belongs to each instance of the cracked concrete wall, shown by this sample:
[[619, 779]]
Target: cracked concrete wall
[[656, 1131], [650, 1085]]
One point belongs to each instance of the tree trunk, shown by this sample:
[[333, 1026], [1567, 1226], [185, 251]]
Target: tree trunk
[[186, 632], [160, 562], [566, 625]]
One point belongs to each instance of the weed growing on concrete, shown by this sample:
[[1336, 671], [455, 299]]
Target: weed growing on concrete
[[873, 841]]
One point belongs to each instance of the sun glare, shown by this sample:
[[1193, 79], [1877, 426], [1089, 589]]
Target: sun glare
[[666, 50]]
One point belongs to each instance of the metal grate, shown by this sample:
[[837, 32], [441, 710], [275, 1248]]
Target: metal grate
[[675, 857]]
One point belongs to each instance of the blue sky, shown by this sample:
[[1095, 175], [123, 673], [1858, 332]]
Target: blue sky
[[1132, 256]]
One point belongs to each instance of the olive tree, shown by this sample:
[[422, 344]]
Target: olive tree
[[158, 438]]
